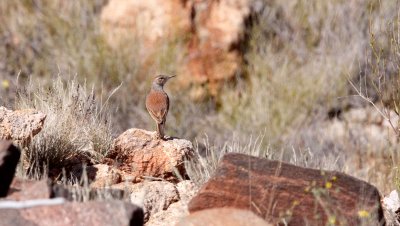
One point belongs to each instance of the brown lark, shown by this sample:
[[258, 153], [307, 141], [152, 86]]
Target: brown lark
[[157, 103]]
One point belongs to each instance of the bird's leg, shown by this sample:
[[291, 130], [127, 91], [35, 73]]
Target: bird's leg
[[160, 131]]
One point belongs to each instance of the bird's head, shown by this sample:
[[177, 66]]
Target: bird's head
[[161, 80]]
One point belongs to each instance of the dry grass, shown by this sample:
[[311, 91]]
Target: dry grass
[[77, 124]]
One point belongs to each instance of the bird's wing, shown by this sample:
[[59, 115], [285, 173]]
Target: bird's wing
[[157, 103]]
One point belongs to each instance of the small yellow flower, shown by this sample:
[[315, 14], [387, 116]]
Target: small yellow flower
[[363, 213], [5, 84], [328, 185], [334, 178], [332, 220], [295, 203]]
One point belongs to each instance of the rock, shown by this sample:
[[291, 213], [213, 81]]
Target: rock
[[9, 157], [212, 33], [21, 189], [161, 201], [138, 153], [391, 206], [99, 175], [222, 217], [186, 190], [214, 53], [177, 210], [146, 22], [279, 191], [20, 125], [153, 196], [75, 213]]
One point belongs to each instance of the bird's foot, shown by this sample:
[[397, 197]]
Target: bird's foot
[[157, 136]]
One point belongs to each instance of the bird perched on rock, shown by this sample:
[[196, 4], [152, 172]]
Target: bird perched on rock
[[157, 103]]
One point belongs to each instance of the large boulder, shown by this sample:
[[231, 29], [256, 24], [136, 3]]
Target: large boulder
[[223, 217], [141, 155], [212, 35], [9, 157], [74, 213], [20, 125], [281, 192]]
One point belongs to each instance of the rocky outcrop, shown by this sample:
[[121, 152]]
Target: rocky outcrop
[[75, 213], [391, 206], [9, 157], [278, 191], [140, 155], [147, 22], [214, 53], [223, 217], [212, 32], [20, 125]]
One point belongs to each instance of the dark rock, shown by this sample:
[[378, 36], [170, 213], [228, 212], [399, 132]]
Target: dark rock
[[223, 217], [9, 157], [282, 192], [75, 213], [30, 189]]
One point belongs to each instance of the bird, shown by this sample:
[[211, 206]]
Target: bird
[[157, 103]]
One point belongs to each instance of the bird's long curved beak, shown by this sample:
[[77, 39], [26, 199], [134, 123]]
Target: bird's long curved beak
[[169, 77]]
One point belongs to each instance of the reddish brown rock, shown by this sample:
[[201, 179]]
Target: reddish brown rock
[[20, 125], [213, 50], [9, 157], [278, 191], [138, 153], [21, 189], [223, 217], [148, 21], [88, 213], [211, 35]]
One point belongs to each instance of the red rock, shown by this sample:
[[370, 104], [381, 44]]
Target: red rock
[[89, 213], [302, 196], [9, 157], [29, 189], [149, 22], [138, 153], [20, 125], [210, 32], [213, 53], [223, 217]]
